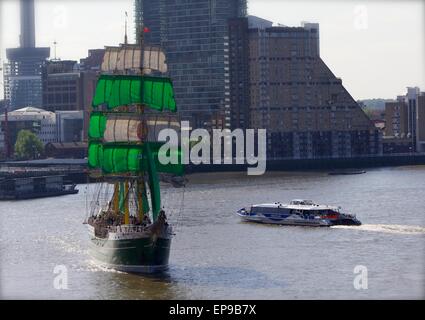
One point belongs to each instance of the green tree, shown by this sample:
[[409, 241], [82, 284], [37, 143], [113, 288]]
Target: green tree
[[28, 146]]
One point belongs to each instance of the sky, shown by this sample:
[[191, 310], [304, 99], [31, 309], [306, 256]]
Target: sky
[[377, 47]]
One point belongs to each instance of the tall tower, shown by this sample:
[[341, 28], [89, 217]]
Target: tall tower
[[22, 72], [27, 39], [195, 37]]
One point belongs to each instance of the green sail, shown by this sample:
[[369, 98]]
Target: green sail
[[123, 159], [95, 155], [114, 91], [97, 125]]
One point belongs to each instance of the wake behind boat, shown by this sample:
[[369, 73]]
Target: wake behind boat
[[298, 213]]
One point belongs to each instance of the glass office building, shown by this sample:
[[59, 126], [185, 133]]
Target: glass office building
[[194, 34]]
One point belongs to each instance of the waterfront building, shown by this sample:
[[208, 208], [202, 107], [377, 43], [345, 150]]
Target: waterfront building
[[396, 120], [50, 127], [295, 96], [412, 109], [406, 119], [39, 121], [66, 150], [194, 35], [420, 123], [70, 126], [70, 86], [397, 145], [22, 71], [62, 87], [93, 61]]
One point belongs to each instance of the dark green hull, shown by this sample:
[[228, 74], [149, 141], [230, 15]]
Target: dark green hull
[[144, 255]]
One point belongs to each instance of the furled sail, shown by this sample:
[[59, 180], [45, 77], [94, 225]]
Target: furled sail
[[115, 91], [129, 58], [158, 123], [119, 129], [115, 127]]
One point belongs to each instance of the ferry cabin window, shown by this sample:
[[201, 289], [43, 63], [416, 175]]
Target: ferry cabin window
[[267, 210]]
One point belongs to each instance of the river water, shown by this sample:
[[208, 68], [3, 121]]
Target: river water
[[215, 256]]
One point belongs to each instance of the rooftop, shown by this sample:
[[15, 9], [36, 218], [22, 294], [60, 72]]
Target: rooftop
[[29, 114], [29, 111]]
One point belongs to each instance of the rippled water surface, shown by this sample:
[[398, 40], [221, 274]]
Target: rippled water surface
[[215, 256]]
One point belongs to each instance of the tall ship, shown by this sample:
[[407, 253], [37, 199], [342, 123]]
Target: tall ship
[[298, 213], [133, 102]]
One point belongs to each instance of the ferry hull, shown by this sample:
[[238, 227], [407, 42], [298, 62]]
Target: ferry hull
[[142, 255], [296, 220], [346, 222], [286, 221]]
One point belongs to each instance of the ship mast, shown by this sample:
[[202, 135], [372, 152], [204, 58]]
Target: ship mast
[[119, 143], [139, 184], [128, 185], [140, 188]]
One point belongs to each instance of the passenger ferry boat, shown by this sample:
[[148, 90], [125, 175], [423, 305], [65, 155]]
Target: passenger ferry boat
[[299, 213]]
